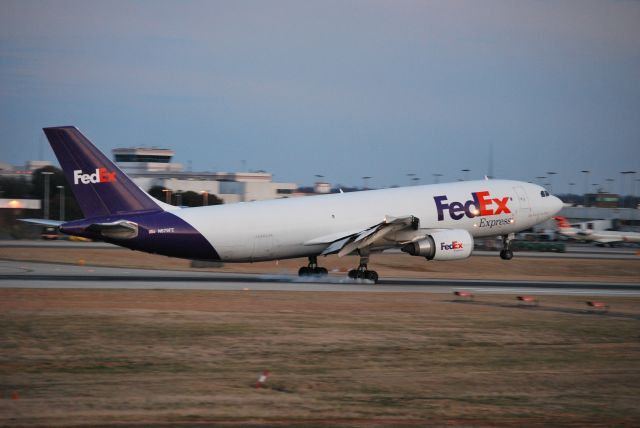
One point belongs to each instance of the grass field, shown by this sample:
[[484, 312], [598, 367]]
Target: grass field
[[191, 358]]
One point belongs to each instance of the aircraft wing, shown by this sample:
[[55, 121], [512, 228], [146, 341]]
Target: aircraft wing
[[42, 222], [608, 239], [600, 239], [371, 236]]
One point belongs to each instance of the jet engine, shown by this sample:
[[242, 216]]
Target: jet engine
[[452, 244]]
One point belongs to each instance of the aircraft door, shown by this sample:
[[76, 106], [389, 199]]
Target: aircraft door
[[523, 201]]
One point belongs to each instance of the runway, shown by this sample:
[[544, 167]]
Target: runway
[[46, 275], [573, 250]]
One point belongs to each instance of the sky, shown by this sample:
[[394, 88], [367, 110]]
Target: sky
[[342, 89]]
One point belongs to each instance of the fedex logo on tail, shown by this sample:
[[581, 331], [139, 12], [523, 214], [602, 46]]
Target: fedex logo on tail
[[481, 204], [101, 175]]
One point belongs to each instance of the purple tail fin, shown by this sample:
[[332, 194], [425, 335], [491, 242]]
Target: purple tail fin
[[99, 186]]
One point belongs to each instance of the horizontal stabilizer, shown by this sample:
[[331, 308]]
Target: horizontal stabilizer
[[42, 221], [117, 230]]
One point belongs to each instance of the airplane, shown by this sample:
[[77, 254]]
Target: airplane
[[601, 237], [437, 222]]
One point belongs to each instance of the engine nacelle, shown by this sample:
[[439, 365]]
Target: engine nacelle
[[443, 245]]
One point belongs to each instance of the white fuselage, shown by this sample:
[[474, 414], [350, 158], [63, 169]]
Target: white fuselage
[[298, 227]]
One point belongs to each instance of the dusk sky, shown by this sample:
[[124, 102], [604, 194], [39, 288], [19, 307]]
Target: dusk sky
[[344, 89]]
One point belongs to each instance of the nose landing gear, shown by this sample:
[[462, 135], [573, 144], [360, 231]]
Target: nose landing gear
[[312, 269], [506, 253]]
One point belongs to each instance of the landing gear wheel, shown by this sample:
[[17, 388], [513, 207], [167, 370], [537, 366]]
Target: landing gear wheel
[[312, 269], [506, 254], [304, 271], [371, 275]]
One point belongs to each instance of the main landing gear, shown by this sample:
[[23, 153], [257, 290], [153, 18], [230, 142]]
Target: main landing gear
[[506, 253], [362, 272], [312, 269]]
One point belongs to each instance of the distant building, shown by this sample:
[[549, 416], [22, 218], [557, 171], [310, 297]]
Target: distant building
[[322, 187], [602, 200], [149, 167], [32, 165], [137, 160], [26, 171], [20, 204]]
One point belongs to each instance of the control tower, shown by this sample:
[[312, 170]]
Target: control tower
[[138, 160]]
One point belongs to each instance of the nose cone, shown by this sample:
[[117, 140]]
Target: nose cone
[[556, 204]]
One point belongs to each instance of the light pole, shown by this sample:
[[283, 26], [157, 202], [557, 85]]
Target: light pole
[[622, 174], [365, 182], [61, 190], [205, 198], [466, 173], [551, 174], [410, 175], [586, 173], [436, 177], [167, 195], [46, 192], [571, 184], [609, 186]]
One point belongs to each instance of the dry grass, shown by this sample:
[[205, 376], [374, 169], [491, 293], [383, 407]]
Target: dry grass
[[118, 357]]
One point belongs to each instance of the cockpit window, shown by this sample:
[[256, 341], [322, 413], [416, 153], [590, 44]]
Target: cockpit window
[[544, 193]]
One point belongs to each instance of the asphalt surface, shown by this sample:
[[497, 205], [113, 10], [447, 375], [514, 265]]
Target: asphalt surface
[[574, 250], [15, 274]]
